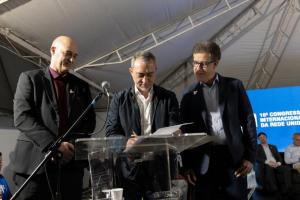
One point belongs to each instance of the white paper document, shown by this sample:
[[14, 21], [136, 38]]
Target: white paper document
[[168, 130]]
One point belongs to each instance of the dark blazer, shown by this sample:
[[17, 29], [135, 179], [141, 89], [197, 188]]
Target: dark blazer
[[237, 117], [271, 179], [261, 156], [124, 114], [123, 119], [36, 116]]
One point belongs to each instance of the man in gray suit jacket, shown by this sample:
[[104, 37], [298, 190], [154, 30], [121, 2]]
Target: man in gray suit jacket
[[218, 106], [46, 103]]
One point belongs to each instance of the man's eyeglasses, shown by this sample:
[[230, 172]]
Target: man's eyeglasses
[[203, 64]]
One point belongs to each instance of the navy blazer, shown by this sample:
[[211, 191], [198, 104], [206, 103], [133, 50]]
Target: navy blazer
[[36, 116], [124, 114], [261, 155], [237, 116]]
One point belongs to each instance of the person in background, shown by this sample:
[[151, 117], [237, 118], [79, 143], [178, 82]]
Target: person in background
[[271, 174], [292, 153], [137, 111], [218, 106], [46, 103], [4, 189]]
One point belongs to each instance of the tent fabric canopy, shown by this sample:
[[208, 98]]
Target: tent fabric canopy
[[258, 38]]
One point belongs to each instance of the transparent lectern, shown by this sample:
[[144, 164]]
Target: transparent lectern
[[150, 163]]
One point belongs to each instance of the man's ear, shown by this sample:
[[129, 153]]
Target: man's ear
[[216, 63], [130, 70], [52, 50]]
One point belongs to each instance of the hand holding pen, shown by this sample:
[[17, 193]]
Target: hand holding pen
[[131, 140]]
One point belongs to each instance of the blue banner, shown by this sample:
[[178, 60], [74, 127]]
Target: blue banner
[[277, 113]]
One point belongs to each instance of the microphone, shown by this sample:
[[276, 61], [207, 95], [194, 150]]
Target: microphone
[[105, 86]]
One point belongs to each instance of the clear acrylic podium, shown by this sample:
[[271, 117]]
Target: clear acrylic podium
[[155, 157]]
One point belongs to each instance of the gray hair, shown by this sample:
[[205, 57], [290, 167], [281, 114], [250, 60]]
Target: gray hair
[[146, 56]]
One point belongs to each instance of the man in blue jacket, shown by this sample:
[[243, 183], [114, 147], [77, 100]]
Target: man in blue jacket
[[140, 110], [218, 106]]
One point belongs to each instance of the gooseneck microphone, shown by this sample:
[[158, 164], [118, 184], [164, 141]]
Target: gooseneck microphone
[[106, 86]]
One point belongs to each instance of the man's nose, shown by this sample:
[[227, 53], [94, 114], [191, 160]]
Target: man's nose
[[72, 59], [145, 79]]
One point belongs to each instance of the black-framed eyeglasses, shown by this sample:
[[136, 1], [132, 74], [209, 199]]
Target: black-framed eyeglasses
[[203, 64]]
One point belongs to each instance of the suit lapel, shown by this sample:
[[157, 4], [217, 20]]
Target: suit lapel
[[72, 92], [222, 94], [261, 149], [47, 82], [155, 101], [135, 116], [272, 150], [200, 105]]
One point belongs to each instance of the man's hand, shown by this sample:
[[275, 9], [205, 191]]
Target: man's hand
[[130, 142], [273, 164], [244, 169], [67, 150], [296, 166], [190, 177], [178, 132]]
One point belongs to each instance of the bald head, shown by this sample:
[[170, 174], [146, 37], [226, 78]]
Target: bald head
[[63, 40], [63, 54]]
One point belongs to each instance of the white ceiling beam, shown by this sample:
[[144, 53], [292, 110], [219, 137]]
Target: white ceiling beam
[[22, 48], [191, 21], [284, 29]]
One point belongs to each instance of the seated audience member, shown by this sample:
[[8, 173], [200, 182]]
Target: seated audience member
[[292, 152], [270, 173], [4, 189]]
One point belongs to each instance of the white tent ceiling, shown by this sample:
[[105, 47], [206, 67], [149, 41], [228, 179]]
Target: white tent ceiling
[[260, 39]]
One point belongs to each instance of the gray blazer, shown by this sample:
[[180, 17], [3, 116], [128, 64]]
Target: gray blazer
[[36, 116]]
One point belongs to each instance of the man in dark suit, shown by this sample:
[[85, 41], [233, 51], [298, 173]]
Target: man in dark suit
[[218, 106], [270, 173], [140, 110], [46, 103]]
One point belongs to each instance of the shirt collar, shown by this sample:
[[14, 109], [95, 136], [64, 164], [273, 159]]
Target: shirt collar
[[55, 75], [216, 81], [138, 93]]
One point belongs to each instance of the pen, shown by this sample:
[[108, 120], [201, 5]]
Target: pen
[[133, 134]]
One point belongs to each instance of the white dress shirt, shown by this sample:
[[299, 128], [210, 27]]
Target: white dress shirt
[[145, 107], [292, 154], [211, 97], [269, 155]]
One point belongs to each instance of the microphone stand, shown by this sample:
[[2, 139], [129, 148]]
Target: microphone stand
[[53, 148]]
